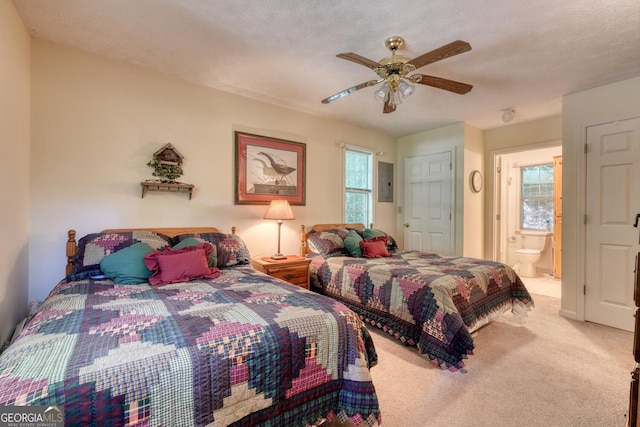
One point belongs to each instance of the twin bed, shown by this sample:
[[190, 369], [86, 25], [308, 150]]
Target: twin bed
[[214, 343], [422, 299], [198, 337]]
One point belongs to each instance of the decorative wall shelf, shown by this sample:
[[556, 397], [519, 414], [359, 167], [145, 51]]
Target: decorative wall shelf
[[175, 187]]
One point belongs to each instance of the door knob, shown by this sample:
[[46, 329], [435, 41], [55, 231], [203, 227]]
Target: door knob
[[406, 225]]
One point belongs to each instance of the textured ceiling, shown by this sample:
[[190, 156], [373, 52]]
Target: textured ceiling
[[525, 55]]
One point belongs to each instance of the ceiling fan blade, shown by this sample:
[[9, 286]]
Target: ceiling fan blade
[[454, 48], [354, 57], [440, 83], [350, 90], [388, 107]]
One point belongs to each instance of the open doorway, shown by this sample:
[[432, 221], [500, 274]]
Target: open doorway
[[524, 212]]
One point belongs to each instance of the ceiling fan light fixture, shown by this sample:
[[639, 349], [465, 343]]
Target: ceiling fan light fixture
[[395, 97], [382, 93], [393, 72], [406, 89]]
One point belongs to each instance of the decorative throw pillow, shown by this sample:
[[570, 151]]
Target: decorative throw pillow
[[328, 243], [181, 265], [193, 241], [312, 247], [352, 243], [375, 248], [369, 233], [92, 248], [230, 248], [126, 266]]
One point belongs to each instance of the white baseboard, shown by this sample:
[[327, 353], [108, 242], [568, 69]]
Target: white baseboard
[[16, 332], [18, 329], [568, 314]]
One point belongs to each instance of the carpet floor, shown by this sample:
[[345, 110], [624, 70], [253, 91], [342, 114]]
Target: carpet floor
[[548, 371]]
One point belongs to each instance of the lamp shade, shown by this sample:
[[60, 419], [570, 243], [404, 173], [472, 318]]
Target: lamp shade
[[279, 209]]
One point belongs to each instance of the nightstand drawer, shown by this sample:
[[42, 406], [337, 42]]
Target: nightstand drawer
[[296, 276], [293, 269]]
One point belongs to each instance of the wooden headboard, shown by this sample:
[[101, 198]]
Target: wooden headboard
[[304, 235], [72, 245]]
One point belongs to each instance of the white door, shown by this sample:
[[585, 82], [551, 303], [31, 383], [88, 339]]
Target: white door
[[428, 203], [612, 202]]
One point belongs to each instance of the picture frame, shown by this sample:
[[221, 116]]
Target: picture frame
[[269, 168]]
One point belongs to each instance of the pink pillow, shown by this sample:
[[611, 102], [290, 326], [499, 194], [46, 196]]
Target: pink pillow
[[374, 248], [180, 265]]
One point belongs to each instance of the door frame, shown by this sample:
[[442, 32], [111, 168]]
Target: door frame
[[581, 229], [496, 206], [497, 227]]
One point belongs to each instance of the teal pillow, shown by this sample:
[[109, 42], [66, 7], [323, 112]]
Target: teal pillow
[[193, 241], [352, 243], [370, 233], [126, 266]]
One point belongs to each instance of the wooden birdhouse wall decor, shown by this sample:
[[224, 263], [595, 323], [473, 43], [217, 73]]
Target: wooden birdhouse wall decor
[[167, 165]]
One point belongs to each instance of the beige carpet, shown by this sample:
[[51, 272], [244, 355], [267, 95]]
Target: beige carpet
[[548, 371]]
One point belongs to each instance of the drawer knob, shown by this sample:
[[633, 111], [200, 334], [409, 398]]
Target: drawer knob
[[289, 276]]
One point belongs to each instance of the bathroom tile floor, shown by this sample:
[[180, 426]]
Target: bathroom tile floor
[[543, 284]]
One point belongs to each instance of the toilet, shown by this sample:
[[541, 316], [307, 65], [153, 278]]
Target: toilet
[[533, 244]]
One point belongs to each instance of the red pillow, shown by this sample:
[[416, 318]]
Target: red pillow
[[375, 248], [180, 265]]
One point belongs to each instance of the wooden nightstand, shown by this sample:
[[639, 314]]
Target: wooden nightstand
[[294, 269]]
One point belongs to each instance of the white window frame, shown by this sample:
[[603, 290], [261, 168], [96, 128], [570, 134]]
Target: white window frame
[[372, 178], [521, 206]]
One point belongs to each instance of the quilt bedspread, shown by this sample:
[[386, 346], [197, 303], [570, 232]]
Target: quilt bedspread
[[424, 299], [244, 349]]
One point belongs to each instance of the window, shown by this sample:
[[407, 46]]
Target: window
[[358, 186], [536, 207]]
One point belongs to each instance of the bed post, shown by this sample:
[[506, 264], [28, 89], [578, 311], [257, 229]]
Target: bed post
[[303, 242], [72, 248], [233, 230]]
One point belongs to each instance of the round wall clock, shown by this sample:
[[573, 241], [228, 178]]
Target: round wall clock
[[476, 181]]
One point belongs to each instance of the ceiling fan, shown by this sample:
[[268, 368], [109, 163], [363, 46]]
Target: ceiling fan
[[395, 71]]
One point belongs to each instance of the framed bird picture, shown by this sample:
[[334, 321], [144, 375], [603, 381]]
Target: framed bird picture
[[268, 168]]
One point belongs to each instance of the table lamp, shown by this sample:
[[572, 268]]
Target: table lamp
[[279, 210]]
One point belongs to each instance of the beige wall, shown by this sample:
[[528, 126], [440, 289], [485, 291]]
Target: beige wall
[[14, 173], [474, 152], [95, 124], [600, 105]]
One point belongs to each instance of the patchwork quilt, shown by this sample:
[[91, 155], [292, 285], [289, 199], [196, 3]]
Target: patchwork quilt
[[424, 299], [241, 350]]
